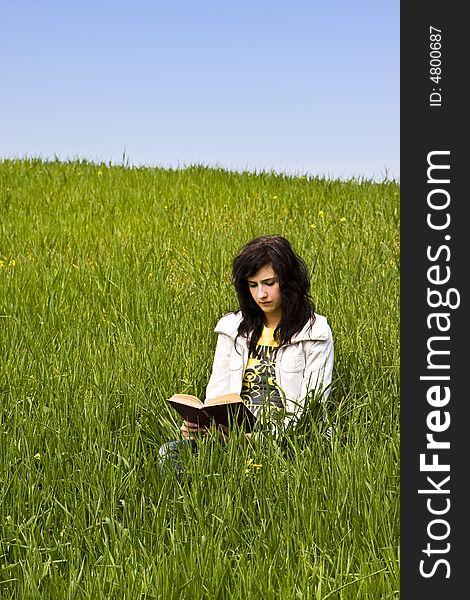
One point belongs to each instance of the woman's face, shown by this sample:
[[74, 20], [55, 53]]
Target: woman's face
[[265, 290]]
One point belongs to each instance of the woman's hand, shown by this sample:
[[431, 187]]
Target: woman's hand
[[190, 430]]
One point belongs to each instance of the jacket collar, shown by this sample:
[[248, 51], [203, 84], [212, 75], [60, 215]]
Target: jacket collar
[[318, 330]]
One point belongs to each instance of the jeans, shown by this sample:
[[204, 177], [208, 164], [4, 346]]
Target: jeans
[[170, 456]]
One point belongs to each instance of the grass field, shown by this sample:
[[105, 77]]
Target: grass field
[[111, 281]]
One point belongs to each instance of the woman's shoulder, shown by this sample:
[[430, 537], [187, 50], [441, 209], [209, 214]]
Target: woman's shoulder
[[316, 328], [229, 323]]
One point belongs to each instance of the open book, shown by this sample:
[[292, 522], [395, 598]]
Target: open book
[[227, 410]]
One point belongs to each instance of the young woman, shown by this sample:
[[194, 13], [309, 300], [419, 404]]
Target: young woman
[[274, 351]]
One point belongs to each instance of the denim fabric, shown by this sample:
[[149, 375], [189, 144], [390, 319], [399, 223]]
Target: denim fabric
[[170, 456]]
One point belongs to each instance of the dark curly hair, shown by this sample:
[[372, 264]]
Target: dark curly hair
[[297, 306]]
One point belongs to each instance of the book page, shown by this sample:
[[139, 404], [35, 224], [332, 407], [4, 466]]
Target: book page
[[186, 399], [224, 399]]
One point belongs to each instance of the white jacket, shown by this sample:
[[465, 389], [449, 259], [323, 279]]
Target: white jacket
[[304, 365]]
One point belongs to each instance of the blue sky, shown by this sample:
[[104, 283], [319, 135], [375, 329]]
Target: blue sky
[[301, 87]]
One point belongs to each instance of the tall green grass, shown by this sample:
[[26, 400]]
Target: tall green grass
[[111, 282]]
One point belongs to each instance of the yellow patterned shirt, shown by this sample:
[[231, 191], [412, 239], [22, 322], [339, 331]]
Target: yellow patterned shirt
[[259, 389]]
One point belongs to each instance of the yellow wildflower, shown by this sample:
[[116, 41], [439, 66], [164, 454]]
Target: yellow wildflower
[[251, 466], [321, 214]]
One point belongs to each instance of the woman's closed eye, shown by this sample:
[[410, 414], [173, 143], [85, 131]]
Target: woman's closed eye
[[267, 283]]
